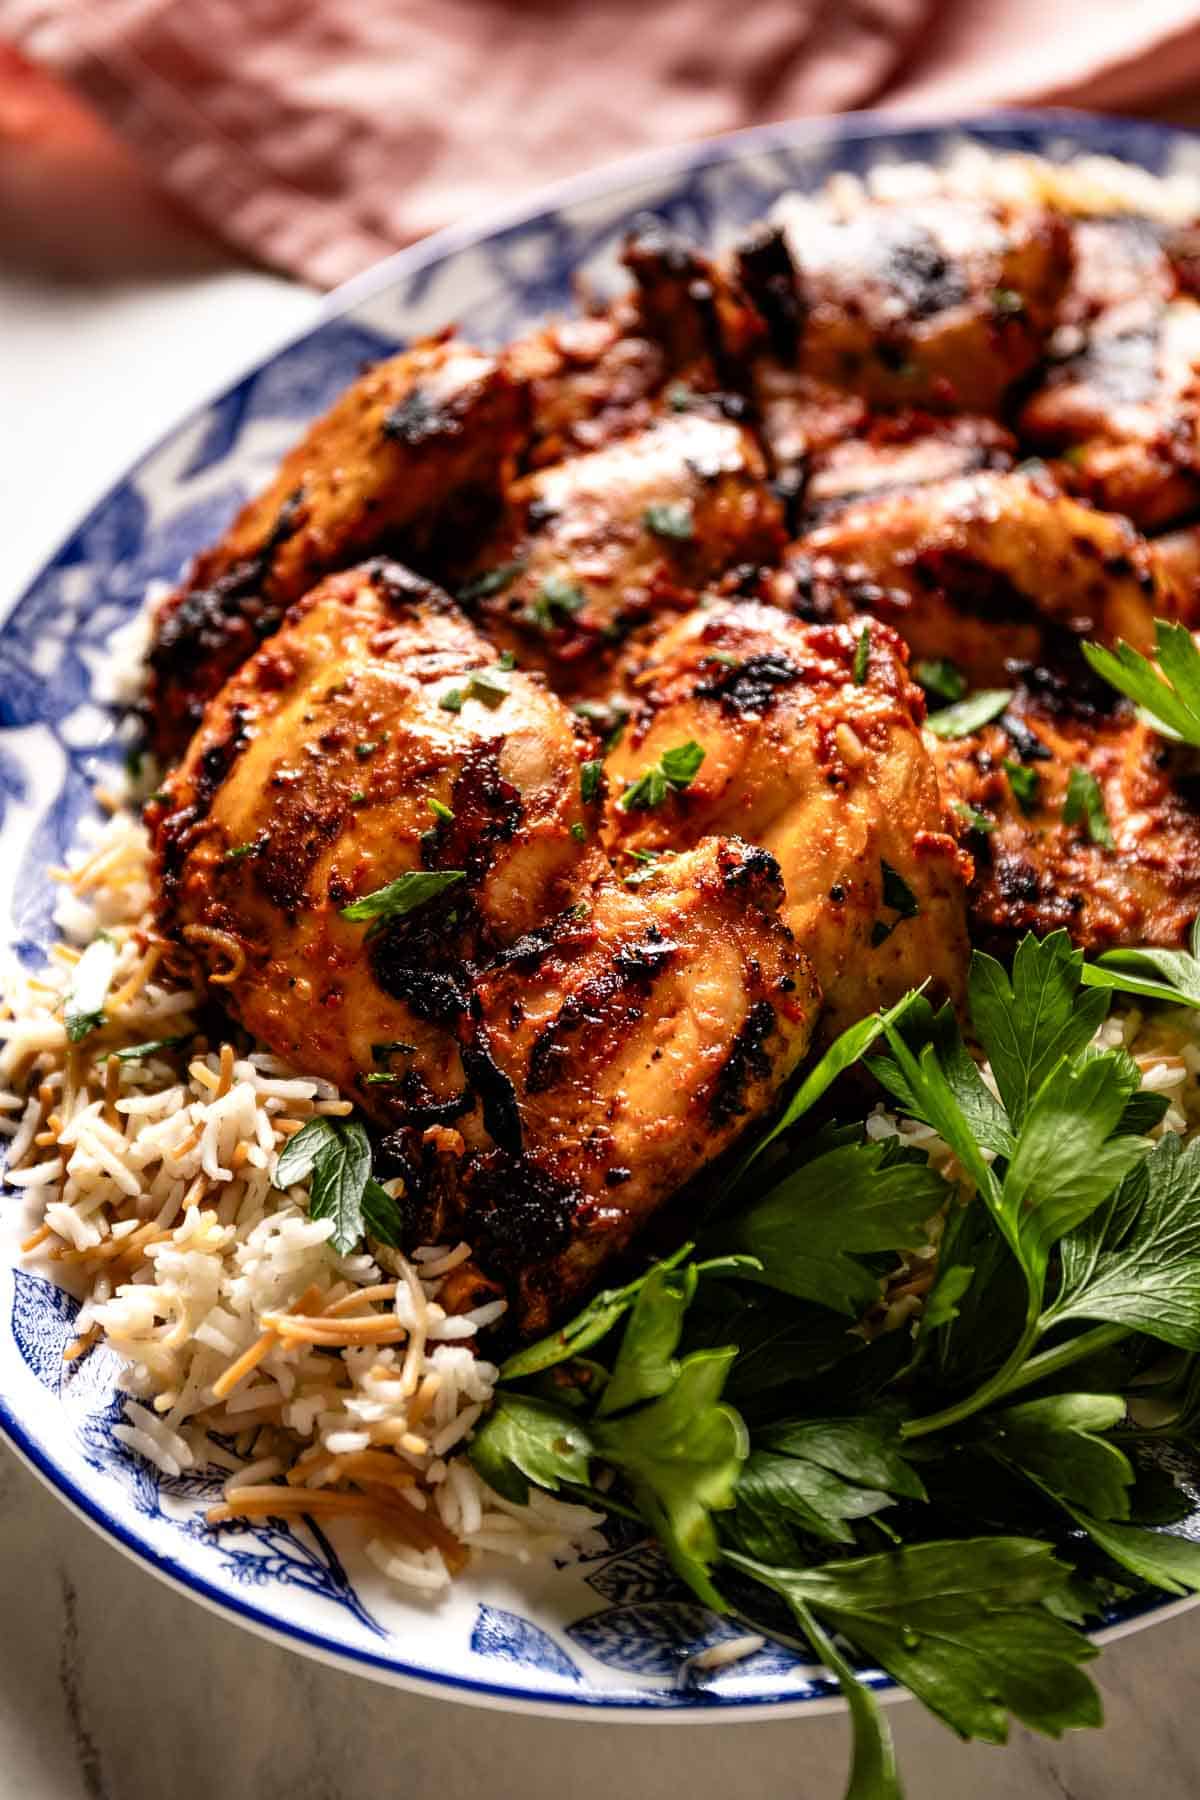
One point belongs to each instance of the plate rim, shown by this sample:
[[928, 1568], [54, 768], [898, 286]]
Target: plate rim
[[401, 265]]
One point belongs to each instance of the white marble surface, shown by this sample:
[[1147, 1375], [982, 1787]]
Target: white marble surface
[[112, 1687]]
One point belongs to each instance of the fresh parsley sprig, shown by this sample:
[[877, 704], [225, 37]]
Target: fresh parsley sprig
[[674, 772], [1168, 694]]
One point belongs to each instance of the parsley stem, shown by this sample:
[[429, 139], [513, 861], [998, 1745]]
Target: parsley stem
[[991, 1389], [1049, 1362]]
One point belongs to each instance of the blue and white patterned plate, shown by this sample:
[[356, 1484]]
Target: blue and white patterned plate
[[614, 1631]]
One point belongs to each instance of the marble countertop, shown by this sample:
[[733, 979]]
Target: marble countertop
[[112, 1686]]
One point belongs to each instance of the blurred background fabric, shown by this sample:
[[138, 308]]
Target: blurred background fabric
[[316, 135]]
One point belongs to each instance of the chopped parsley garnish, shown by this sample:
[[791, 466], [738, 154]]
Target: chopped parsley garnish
[[579, 832], [941, 679], [241, 850], [370, 746], [440, 810], [507, 662], [492, 581], [392, 1047], [974, 821], [139, 1052], [1085, 801], [674, 772], [646, 860], [487, 685], [1025, 783], [381, 1078], [862, 656], [671, 520], [966, 716], [680, 397], [415, 888], [91, 978], [590, 776], [899, 897], [452, 700], [554, 602], [1007, 301]]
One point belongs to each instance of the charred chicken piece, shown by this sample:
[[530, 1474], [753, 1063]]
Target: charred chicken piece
[[939, 303], [374, 739], [637, 1036], [413, 443], [981, 570], [812, 749], [551, 1053], [900, 452], [1123, 412], [600, 544], [1036, 869]]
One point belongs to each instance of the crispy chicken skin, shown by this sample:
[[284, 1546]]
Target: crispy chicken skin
[[1123, 413], [312, 783], [827, 773], [638, 1039], [1033, 872], [600, 544], [982, 570], [414, 437], [902, 451], [554, 1054], [942, 303]]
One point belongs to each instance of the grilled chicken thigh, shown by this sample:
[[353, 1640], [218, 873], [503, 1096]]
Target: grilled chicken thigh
[[599, 544], [416, 436], [981, 570], [1036, 870], [812, 748], [507, 995]]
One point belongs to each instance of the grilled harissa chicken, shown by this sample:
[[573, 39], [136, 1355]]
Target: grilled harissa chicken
[[716, 516]]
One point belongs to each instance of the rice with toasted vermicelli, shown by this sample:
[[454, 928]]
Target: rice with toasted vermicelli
[[326, 1385]]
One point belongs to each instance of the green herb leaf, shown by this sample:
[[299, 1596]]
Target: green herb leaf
[[523, 1441], [296, 1159], [646, 1365], [873, 1771], [671, 521], [973, 820], [241, 850], [591, 774], [1057, 1440], [1026, 783], [487, 685], [1171, 975], [596, 1320], [340, 1171], [382, 1217], [1136, 1260], [962, 1624], [452, 700], [899, 897], [1159, 1557], [682, 1455], [139, 1052], [942, 679], [554, 602], [852, 1201], [969, 715], [492, 581], [1084, 800], [675, 770], [1172, 697], [1028, 1023], [415, 888], [1007, 302], [393, 1047], [812, 1476], [91, 978], [862, 656], [441, 811]]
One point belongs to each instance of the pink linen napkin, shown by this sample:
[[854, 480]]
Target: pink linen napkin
[[317, 135]]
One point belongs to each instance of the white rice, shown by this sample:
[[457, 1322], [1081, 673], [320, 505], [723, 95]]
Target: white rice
[[177, 1170]]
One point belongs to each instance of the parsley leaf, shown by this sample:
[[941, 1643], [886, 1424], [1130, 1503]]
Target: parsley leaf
[[414, 888], [91, 978], [1026, 784], [674, 772], [973, 820], [862, 656], [1056, 1439], [671, 521], [138, 1052], [873, 1771], [492, 581], [962, 1624], [645, 1366], [1084, 800], [814, 1475], [808, 1231], [969, 715], [682, 1455], [588, 1327], [942, 679], [1171, 975], [554, 602], [1027, 1023], [591, 775], [523, 1440], [1164, 1560], [1172, 696], [899, 897], [1136, 1259]]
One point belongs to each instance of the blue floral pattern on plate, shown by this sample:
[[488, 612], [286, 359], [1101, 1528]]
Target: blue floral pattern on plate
[[616, 1629]]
